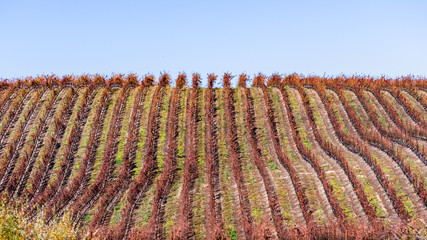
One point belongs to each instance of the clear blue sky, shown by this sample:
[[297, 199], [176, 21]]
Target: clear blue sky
[[307, 37]]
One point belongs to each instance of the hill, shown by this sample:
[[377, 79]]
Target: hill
[[290, 157]]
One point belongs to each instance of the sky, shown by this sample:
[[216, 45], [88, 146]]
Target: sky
[[324, 38]]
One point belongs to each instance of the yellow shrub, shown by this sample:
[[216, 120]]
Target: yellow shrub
[[15, 225]]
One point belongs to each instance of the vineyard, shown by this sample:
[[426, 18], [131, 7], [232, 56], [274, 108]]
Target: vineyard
[[274, 157]]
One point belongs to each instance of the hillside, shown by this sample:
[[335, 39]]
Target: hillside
[[285, 158]]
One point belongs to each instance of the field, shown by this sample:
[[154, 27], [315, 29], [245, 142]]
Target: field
[[288, 157]]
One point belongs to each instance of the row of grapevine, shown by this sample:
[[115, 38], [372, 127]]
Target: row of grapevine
[[283, 158], [6, 99], [11, 117], [413, 130], [34, 142], [386, 145], [155, 228], [234, 155], [214, 215], [145, 179], [363, 149], [260, 161], [79, 182], [117, 188], [52, 144], [340, 157], [20, 135], [184, 225], [17, 135], [50, 147], [91, 195], [315, 162]]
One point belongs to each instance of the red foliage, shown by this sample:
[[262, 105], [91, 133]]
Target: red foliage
[[6, 96], [196, 80], [404, 130], [227, 80], [105, 193], [259, 81], [211, 80], [214, 215], [67, 81], [4, 84], [181, 81], [84, 80], [274, 81], [405, 102], [243, 78], [116, 81], [35, 82], [363, 148], [387, 145], [184, 225], [11, 117], [148, 81], [99, 80], [164, 80], [131, 80], [155, 228], [19, 140], [32, 150], [52, 81]]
